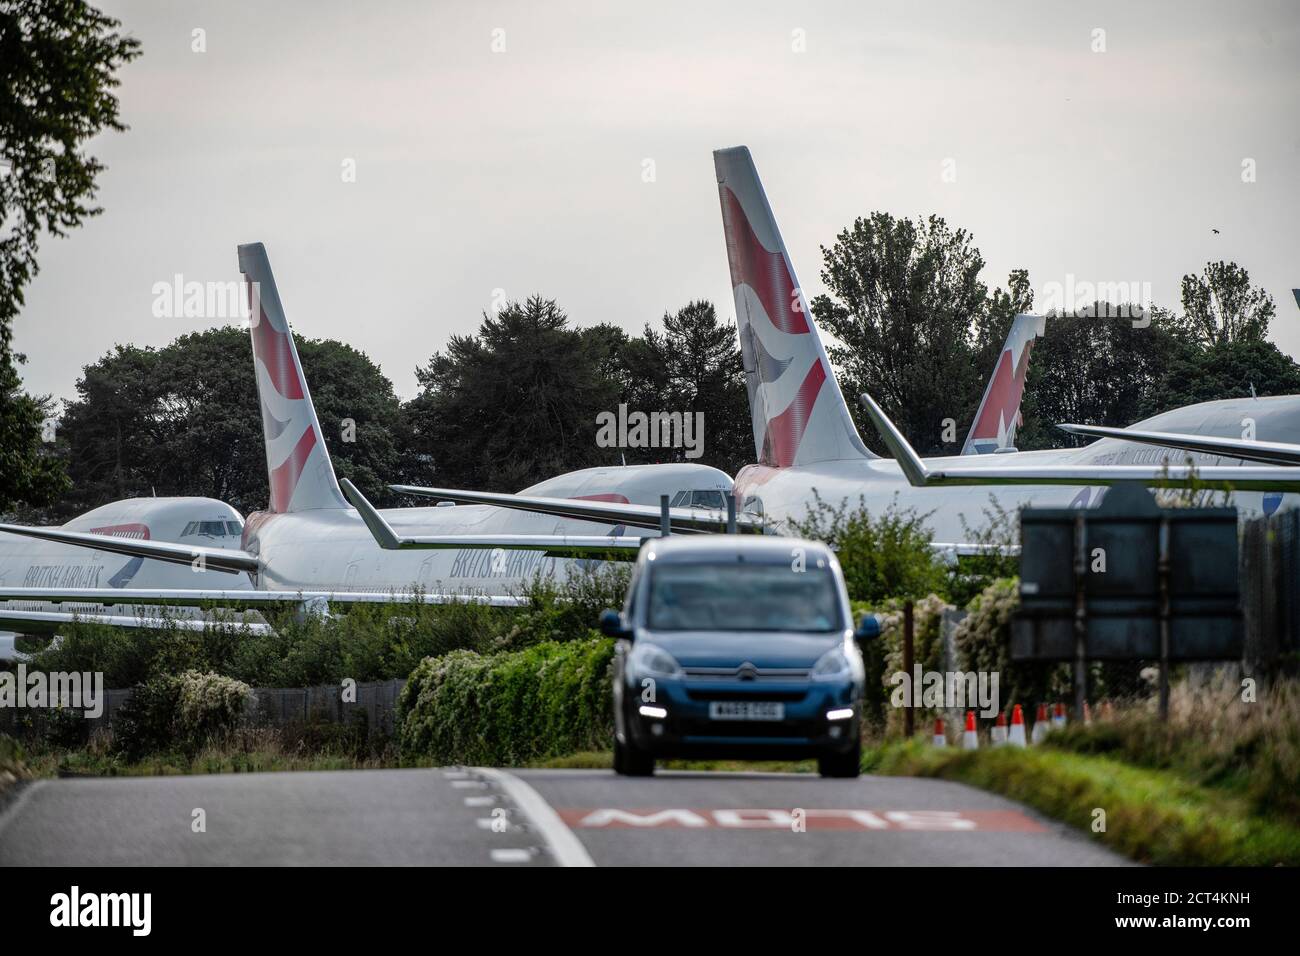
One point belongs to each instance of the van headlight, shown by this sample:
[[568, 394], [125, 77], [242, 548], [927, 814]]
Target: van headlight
[[833, 665], [647, 658]]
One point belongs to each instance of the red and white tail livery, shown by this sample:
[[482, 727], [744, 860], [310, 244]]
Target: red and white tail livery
[[799, 414], [994, 427], [297, 461]]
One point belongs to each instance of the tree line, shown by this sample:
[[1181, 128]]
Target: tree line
[[519, 400], [513, 404]]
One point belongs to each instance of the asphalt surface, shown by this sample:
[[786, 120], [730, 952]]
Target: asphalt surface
[[528, 818]]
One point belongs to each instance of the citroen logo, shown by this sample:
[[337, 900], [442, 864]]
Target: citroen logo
[[747, 671]]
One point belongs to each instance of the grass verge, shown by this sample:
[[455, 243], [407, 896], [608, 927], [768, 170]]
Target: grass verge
[[1153, 816]]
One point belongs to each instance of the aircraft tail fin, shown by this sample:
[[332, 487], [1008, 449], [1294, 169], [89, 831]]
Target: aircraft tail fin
[[799, 414], [998, 416], [297, 461]]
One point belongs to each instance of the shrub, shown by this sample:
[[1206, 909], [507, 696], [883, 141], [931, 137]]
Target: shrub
[[999, 535], [883, 557], [508, 708], [566, 611], [927, 647], [983, 641], [368, 642], [145, 723], [179, 712], [209, 705], [12, 760]]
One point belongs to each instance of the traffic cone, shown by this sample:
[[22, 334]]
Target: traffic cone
[[940, 738], [970, 739], [999, 732], [1058, 717], [1087, 713], [1107, 710], [1040, 725], [1016, 738]]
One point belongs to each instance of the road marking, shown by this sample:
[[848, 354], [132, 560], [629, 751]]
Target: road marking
[[9, 814], [949, 821], [468, 784], [512, 856], [565, 847], [484, 801]]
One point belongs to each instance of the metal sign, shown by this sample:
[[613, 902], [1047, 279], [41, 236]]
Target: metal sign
[[1128, 580]]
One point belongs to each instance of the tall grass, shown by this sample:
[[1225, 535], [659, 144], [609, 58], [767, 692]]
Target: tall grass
[[1213, 737]]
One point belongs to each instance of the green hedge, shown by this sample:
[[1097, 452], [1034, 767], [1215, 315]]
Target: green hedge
[[509, 708]]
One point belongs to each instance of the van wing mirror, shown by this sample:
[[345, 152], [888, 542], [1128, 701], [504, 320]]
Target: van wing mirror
[[868, 629], [611, 624]]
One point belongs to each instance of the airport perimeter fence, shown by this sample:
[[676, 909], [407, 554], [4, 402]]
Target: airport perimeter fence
[[373, 709]]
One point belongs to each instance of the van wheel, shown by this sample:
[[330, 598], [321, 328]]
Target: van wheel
[[841, 765], [632, 762]]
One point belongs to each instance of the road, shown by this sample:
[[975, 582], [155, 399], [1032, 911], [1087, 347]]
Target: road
[[475, 816]]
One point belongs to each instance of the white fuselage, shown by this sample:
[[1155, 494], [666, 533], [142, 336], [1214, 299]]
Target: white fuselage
[[26, 562], [951, 513], [332, 550]]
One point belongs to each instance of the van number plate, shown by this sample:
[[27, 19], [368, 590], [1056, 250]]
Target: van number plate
[[746, 710]]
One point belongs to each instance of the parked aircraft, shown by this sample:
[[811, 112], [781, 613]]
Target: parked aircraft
[[808, 447], [311, 546], [808, 442]]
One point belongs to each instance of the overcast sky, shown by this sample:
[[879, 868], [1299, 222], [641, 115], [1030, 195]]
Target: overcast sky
[[523, 170]]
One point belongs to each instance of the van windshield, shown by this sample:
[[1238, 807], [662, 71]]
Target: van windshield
[[743, 597]]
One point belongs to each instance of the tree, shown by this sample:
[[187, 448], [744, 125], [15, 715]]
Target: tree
[[914, 323], [57, 60], [517, 402], [1226, 370], [28, 473], [693, 366], [993, 326], [1221, 306], [1094, 370], [185, 420]]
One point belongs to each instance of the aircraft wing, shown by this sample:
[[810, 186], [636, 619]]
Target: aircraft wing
[[682, 520], [49, 622], [554, 545], [1265, 452], [215, 559], [1228, 478], [246, 600], [974, 549]]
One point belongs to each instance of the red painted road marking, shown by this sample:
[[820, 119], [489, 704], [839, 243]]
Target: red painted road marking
[[647, 818]]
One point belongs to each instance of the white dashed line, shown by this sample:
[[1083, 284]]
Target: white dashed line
[[512, 856], [566, 848], [484, 801]]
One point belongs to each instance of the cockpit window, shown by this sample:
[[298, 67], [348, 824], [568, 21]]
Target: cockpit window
[[707, 499], [234, 529], [699, 498], [211, 529]]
